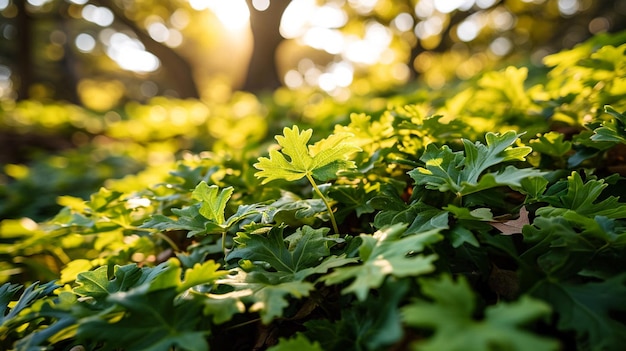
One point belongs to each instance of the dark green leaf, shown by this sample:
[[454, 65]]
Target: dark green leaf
[[311, 246], [152, 322], [589, 309], [300, 343], [386, 253], [450, 315]]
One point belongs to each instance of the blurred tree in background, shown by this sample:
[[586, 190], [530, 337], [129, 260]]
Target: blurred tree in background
[[100, 53]]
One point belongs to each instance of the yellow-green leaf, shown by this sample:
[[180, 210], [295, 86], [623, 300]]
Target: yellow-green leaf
[[296, 159]]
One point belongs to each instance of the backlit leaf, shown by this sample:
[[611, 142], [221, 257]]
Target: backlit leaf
[[322, 160], [213, 201]]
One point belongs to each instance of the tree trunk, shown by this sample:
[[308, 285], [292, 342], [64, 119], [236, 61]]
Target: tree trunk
[[262, 74], [69, 63], [175, 66], [24, 52]]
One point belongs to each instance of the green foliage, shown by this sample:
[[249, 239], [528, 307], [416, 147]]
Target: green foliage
[[489, 215], [446, 170], [613, 130], [298, 343], [451, 315], [386, 253], [588, 309]]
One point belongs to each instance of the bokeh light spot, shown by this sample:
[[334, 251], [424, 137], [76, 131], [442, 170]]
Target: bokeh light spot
[[403, 22], [430, 27], [451, 5], [568, 7], [158, 31], [293, 79], [363, 6], [174, 39], [485, 4], [85, 42], [468, 30], [38, 3], [101, 16], [8, 31], [501, 19], [180, 19], [599, 25], [261, 5], [424, 9], [149, 89], [501, 46]]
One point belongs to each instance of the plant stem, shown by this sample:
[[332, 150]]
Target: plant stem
[[168, 241], [224, 244], [330, 210]]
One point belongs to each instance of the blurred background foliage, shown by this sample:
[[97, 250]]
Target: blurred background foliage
[[94, 90], [100, 53]]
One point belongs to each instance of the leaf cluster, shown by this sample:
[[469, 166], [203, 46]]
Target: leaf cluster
[[487, 216]]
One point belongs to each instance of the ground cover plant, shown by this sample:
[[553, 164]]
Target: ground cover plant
[[488, 215]]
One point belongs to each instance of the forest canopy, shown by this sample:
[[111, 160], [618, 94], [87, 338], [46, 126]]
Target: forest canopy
[[103, 53]]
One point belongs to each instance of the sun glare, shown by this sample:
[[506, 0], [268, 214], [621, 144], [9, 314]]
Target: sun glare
[[234, 14], [130, 54]]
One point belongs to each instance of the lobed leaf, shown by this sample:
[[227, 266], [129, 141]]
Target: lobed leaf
[[322, 160], [307, 251], [383, 254], [450, 315], [213, 201]]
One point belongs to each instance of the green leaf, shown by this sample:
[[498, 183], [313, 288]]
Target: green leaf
[[322, 160], [386, 253], [167, 275], [479, 157], [373, 324], [419, 216], [310, 247], [450, 315], [327, 264], [189, 218], [460, 235], [552, 144], [478, 214], [97, 284], [510, 176], [590, 309], [152, 322], [7, 290], [613, 130], [201, 273], [563, 246], [49, 320], [352, 199], [300, 343], [31, 294], [533, 187], [445, 170], [582, 197], [213, 201], [222, 307], [442, 169], [271, 300], [293, 210]]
